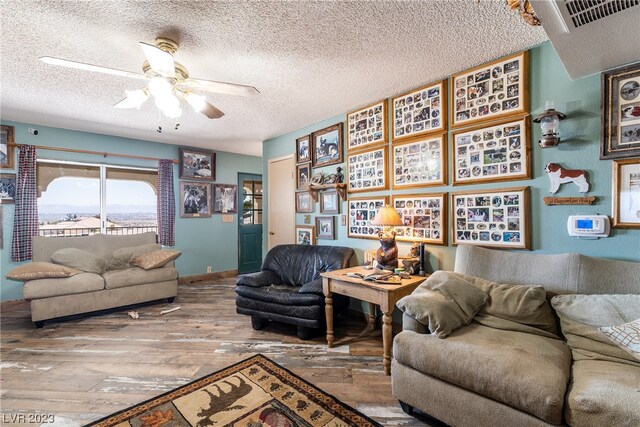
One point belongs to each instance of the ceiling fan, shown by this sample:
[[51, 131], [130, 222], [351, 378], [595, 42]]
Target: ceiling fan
[[169, 82]]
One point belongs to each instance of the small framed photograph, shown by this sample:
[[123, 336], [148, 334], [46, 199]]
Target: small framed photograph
[[7, 155], [225, 198], [303, 149], [304, 202], [420, 111], [329, 202], [424, 217], [491, 153], [197, 164], [305, 235], [497, 218], [620, 115], [367, 171], [303, 175], [361, 212], [420, 162], [490, 91], [367, 127], [626, 193], [195, 199], [326, 227], [7, 187], [327, 146]]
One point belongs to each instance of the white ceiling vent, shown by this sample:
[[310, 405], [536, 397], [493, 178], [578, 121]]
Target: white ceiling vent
[[591, 36]]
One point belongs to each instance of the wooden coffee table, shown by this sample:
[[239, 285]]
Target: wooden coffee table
[[383, 295]]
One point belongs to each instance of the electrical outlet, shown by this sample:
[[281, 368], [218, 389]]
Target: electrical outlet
[[208, 269]]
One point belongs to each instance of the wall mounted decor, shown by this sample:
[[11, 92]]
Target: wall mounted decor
[[197, 164], [7, 187], [367, 170], [559, 175], [304, 202], [195, 199], [368, 126], [305, 235], [326, 146], [558, 201], [303, 175], [225, 198], [490, 153], [491, 218], [549, 121], [424, 217], [620, 115], [6, 150], [420, 162], [361, 212], [420, 111], [326, 227], [329, 202], [303, 149], [626, 193], [491, 91]]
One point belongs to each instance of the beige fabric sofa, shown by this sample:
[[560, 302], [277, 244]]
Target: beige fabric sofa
[[87, 292], [481, 376]]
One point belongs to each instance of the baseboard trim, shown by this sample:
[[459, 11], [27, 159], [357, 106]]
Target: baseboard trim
[[188, 280]]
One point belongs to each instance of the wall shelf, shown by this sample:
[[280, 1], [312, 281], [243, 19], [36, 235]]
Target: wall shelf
[[341, 188]]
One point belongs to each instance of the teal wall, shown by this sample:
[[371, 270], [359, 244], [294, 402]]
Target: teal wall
[[203, 241], [580, 100]]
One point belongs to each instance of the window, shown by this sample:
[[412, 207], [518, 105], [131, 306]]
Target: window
[[252, 202], [78, 199]]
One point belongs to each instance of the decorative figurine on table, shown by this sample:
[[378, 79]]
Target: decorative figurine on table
[[387, 254], [411, 263], [559, 175]]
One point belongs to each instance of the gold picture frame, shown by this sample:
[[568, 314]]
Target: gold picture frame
[[626, 193], [424, 217], [420, 111], [419, 162], [368, 126], [361, 211], [327, 146], [367, 170]]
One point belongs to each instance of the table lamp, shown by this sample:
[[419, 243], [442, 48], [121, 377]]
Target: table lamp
[[387, 254]]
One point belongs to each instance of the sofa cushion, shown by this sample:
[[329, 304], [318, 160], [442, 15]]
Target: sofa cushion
[[121, 257], [137, 276], [77, 284], [526, 371], [280, 294], [80, 260], [155, 259], [603, 394], [582, 315], [626, 336], [40, 270]]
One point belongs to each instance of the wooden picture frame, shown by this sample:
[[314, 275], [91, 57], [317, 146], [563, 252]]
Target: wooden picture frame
[[620, 113], [361, 211], [329, 202], [304, 202], [626, 193], [368, 126], [367, 170], [303, 175], [499, 151], [225, 198], [195, 199], [197, 164], [303, 149], [420, 111], [420, 162], [326, 227], [8, 185], [490, 91], [494, 218], [7, 153], [327, 146], [424, 217], [305, 235]]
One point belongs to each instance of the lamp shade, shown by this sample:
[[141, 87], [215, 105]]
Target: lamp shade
[[387, 216]]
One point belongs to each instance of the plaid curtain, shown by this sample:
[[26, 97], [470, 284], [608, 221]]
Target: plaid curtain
[[166, 203], [25, 219]]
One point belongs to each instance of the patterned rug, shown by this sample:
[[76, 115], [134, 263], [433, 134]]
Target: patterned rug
[[253, 393]]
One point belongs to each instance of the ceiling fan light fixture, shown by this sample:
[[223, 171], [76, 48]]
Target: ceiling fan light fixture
[[198, 102], [160, 88]]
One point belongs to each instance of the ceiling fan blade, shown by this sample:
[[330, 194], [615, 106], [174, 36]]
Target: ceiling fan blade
[[211, 111], [134, 99], [161, 62], [221, 87], [89, 67]]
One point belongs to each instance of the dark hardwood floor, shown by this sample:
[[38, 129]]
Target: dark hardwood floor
[[87, 367]]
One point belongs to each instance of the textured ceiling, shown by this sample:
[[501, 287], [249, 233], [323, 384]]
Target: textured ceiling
[[310, 60]]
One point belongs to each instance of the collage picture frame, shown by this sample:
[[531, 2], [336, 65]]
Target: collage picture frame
[[491, 91], [195, 199], [305, 235], [420, 111], [361, 211], [424, 217], [626, 193], [367, 170], [327, 146], [420, 162], [367, 126], [494, 218], [500, 151]]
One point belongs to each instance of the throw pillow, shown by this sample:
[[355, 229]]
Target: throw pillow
[[79, 259], [155, 259], [121, 258], [40, 270], [626, 336], [444, 303]]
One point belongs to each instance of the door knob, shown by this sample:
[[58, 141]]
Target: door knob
[[271, 233]]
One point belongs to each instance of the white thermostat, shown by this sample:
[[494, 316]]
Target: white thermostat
[[589, 226]]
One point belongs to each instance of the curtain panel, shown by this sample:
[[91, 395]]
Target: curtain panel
[[166, 208], [25, 219]]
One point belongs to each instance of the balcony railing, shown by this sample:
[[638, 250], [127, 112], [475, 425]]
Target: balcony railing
[[77, 232]]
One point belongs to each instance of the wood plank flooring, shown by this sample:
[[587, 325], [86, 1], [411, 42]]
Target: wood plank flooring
[[85, 368]]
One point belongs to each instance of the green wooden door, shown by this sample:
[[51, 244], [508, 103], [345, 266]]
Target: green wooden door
[[249, 223]]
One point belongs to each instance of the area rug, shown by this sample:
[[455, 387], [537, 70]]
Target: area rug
[[253, 393]]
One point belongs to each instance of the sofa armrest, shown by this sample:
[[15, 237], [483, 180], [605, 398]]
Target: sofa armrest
[[312, 287], [259, 279], [411, 324]]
